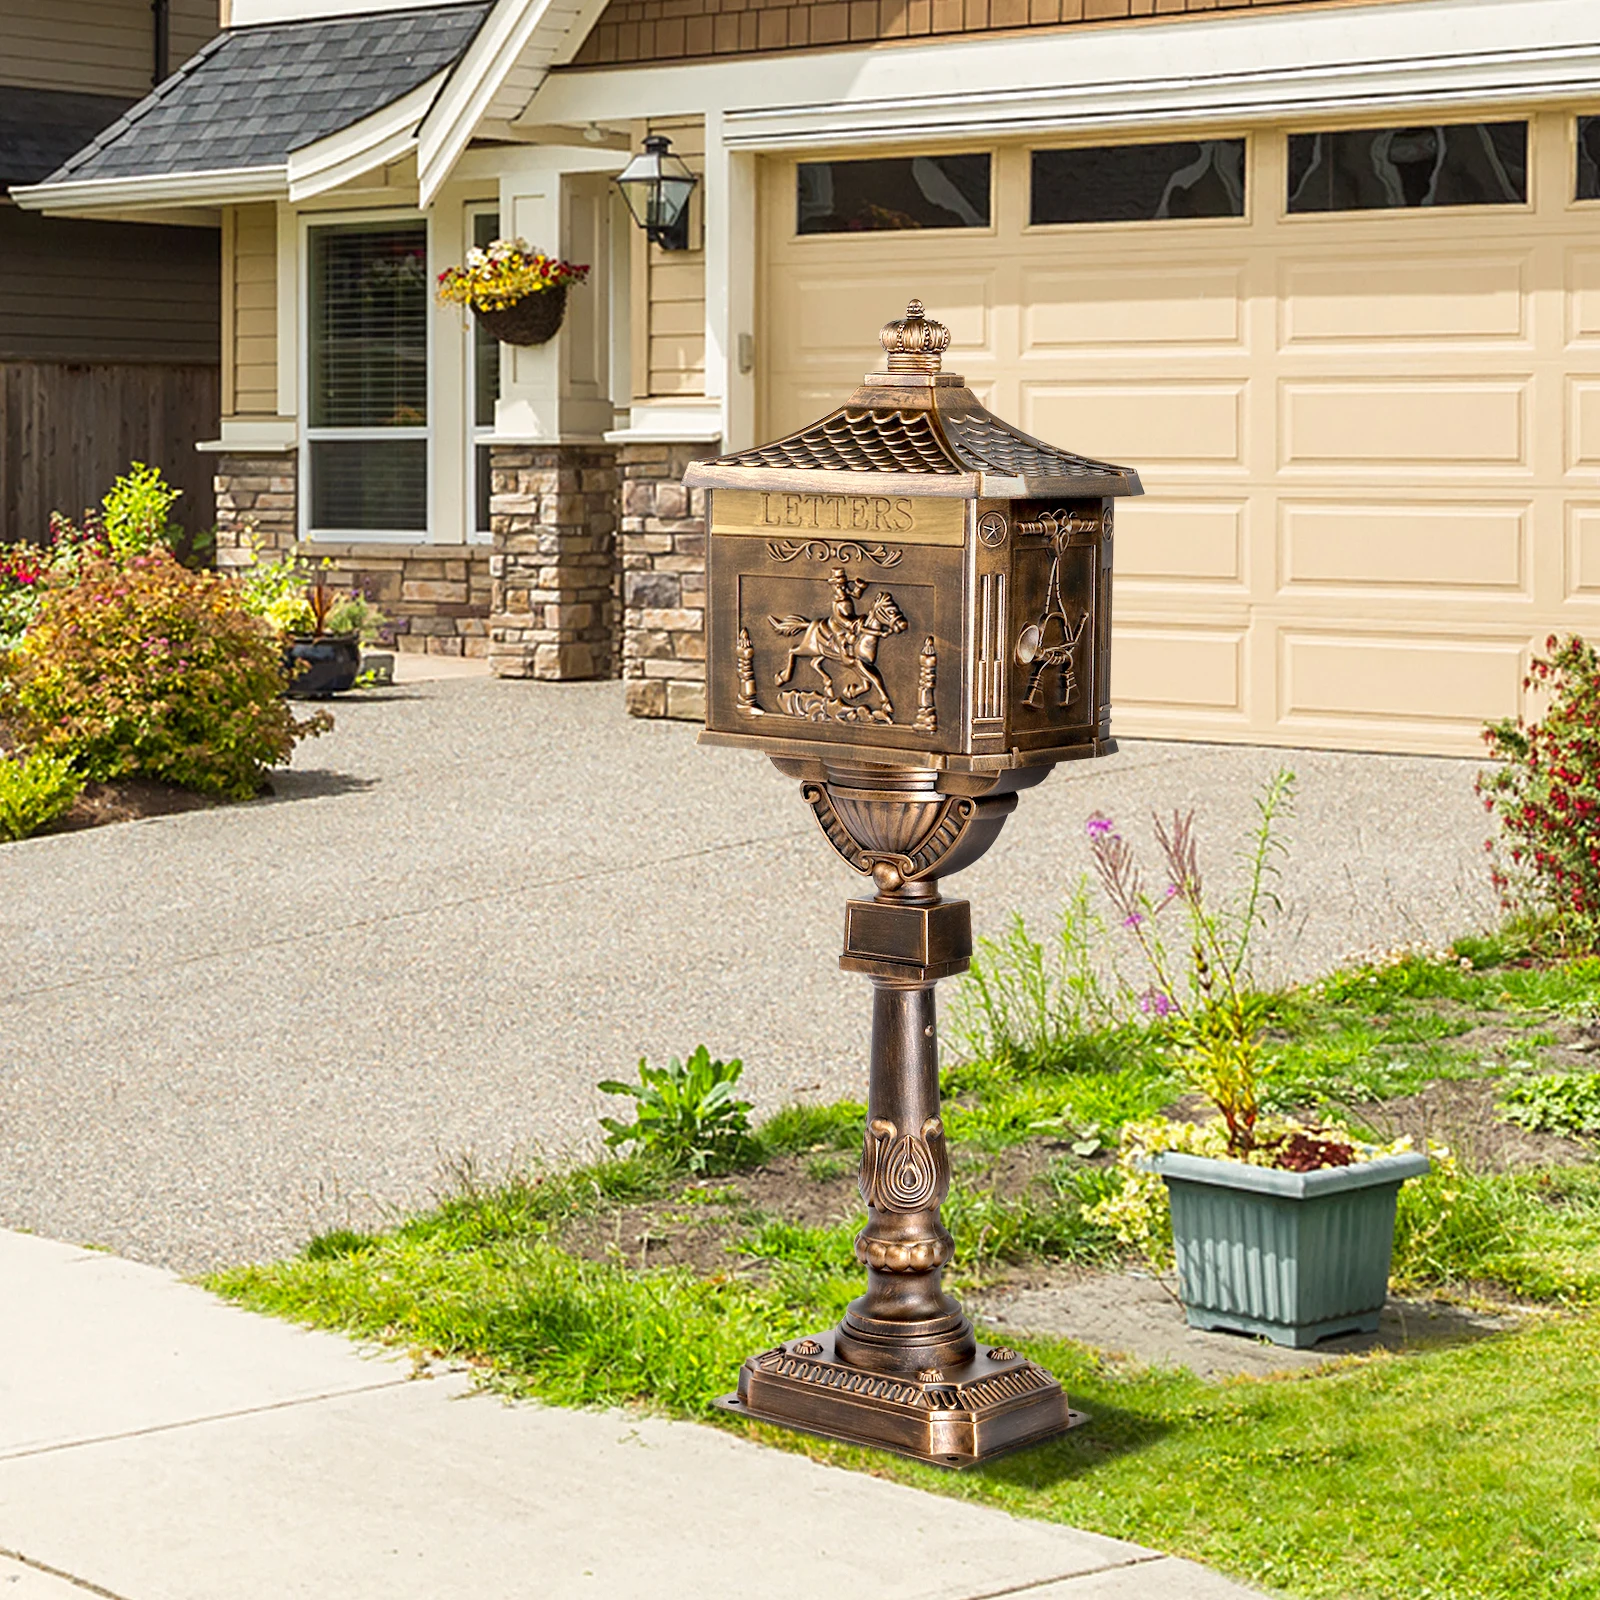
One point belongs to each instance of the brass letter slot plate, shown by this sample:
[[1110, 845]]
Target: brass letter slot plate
[[800, 515]]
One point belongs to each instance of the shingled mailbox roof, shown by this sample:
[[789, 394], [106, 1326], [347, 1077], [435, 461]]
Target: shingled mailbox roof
[[254, 95]]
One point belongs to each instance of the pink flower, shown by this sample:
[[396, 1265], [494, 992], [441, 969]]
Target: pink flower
[[1097, 826]]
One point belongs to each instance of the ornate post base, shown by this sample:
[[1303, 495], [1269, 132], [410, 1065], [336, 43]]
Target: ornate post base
[[902, 1371]]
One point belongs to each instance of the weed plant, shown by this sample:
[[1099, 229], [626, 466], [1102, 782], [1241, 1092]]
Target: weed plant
[[1556, 1102]]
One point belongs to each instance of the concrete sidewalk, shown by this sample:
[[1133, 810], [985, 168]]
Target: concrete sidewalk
[[228, 1029], [156, 1444]]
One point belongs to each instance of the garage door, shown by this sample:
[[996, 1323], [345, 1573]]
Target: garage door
[[1357, 368]]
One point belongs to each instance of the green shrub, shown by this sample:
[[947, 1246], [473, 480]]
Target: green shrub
[[135, 511], [147, 668], [687, 1113], [34, 790]]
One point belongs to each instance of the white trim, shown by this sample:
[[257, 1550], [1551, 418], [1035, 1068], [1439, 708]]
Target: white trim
[[1241, 68], [245, 435], [670, 422], [229, 186], [509, 57], [375, 141]]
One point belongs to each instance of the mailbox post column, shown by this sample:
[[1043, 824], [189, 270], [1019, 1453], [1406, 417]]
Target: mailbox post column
[[908, 611]]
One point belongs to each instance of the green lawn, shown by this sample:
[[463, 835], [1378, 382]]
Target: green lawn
[[1465, 1473]]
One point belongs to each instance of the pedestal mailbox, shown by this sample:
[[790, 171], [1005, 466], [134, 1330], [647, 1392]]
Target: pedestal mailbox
[[910, 612]]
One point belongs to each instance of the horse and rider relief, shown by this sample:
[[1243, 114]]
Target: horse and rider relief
[[846, 637]]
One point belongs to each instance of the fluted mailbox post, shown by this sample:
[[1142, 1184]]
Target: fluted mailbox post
[[910, 612]]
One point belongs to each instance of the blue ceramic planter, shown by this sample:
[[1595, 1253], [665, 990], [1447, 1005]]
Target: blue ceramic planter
[[1291, 1256]]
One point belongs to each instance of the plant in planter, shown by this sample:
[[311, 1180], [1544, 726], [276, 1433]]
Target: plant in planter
[[1279, 1228], [518, 293], [323, 628]]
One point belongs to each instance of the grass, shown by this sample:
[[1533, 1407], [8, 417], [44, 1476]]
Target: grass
[[1461, 1473]]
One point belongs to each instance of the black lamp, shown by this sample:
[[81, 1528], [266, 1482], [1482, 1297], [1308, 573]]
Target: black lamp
[[657, 185]]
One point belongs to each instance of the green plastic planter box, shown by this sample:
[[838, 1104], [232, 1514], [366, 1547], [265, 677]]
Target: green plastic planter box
[[1292, 1256]]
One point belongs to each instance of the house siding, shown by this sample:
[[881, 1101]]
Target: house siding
[[250, 323], [631, 31], [106, 291], [96, 46], [671, 358]]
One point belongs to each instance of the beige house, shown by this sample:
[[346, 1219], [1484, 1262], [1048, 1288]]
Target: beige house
[[1327, 274]]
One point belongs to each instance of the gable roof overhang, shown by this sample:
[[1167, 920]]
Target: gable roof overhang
[[280, 111]]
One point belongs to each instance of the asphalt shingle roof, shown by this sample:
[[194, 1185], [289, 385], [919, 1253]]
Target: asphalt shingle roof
[[253, 95], [40, 128]]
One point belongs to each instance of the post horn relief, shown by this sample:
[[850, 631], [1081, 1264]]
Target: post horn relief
[[1049, 645], [831, 670]]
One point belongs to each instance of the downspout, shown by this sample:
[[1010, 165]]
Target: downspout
[[162, 11]]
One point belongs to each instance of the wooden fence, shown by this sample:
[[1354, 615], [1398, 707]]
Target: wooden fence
[[68, 429]]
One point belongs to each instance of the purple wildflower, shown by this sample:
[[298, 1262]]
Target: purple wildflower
[[1153, 1002], [1097, 826], [1132, 920]]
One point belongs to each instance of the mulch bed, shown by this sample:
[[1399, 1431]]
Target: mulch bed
[[127, 801]]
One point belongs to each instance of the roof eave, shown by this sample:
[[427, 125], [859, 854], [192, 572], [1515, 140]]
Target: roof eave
[[154, 192]]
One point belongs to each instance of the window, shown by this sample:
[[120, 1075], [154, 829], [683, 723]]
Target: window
[[367, 378], [1139, 182], [1588, 184], [893, 193], [1374, 169], [485, 358]]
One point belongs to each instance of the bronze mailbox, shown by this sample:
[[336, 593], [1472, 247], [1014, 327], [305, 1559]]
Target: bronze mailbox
[[911, 580], [909, 610]]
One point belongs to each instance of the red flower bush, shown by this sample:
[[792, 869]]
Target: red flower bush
[[1546, 796]]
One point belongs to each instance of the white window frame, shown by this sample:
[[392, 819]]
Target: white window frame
[[478, 434], [310, 435]]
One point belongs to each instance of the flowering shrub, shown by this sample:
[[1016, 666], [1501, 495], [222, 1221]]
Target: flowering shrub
[[145, 667], [1546, 796], [34, 790], [507, 271], [1202, 998]]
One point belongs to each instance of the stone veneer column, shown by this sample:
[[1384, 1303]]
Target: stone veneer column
[[663, 581], [552, 509], [255, 501]]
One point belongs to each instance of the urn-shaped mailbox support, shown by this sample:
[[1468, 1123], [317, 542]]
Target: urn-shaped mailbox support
[[910, 612]]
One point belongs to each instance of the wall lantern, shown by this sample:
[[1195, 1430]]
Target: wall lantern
[[910, 612], [657, 185]]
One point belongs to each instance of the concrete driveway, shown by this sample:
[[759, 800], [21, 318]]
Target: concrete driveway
[[227, 1029]]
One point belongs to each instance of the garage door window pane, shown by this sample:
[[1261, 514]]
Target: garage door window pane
[[1377, 169], [1588, 158], [1139, 182], [890, 194]]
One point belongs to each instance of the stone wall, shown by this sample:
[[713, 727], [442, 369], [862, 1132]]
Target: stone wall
[[435, 596], [663, 581], [553, 512]]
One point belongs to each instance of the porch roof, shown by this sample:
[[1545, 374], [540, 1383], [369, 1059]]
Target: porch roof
[[255, 95]]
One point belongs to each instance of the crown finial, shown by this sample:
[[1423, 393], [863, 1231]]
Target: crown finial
[[915, 343]]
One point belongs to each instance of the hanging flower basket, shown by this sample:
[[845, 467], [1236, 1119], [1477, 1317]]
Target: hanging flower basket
[[535, 319], [518, 293]]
